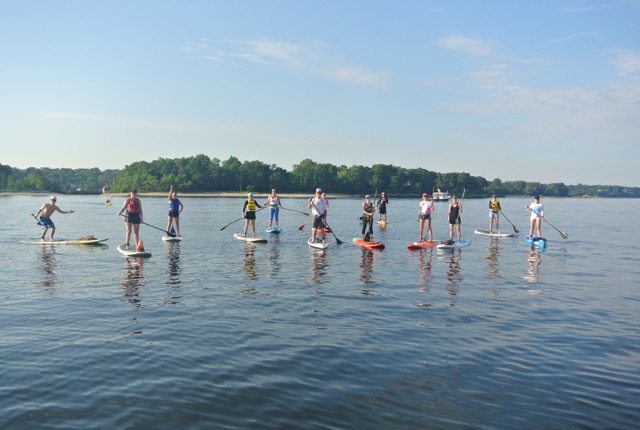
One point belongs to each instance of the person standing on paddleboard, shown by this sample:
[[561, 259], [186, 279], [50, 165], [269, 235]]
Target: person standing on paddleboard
[[45, 213], [455, 209], [494, 213], [274, 203], [424, 216], [133, 206], [318, 206], [249, 213], [175, 207], [382, 207], [368, 209], [537, 215]]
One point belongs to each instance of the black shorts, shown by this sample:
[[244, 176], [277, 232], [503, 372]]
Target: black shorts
[[424, 216], [174, 213], [383, 210], [132, 218], [249, 215], [318, 222]]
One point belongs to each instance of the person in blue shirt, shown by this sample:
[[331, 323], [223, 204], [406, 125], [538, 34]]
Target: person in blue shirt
[[175, 207]]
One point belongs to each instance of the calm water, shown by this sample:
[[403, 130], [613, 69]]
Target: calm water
[[216, 333]]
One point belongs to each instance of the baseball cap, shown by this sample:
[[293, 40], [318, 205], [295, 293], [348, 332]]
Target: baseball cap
[[367, 196], [424, 194], [250, 194], [318, 190], [54, 198]]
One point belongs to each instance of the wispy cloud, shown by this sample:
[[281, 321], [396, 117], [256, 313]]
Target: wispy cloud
[[312, 58], [470, 46], [626, 61]]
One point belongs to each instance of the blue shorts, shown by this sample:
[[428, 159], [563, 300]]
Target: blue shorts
[[46, 222]]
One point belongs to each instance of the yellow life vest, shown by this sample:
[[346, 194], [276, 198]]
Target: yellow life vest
[[251, 205], [494, 206]]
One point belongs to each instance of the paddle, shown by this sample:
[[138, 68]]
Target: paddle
[[302, 226], [562, 233], [37, 220], [236, 220], [515, 229], [293, 210], [153, 226], [338, 241]]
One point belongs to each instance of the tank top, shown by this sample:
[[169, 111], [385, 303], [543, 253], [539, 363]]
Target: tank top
[[274, 201]]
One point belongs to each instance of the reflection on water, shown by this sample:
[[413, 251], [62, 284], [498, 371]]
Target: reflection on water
[[366, 264], [49, 265], [424, 276], [133, 280], [493, 268], [173, 272], [273, 257], [318, 266], [535, 260], [453, 273], [249, 261]]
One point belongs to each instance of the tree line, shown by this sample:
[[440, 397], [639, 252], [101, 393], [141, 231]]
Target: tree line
[[202, 174]]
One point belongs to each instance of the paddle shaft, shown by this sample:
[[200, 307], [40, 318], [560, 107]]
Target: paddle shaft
[[300, 212], [236, 220], [562, 233], [37, 220], [153, 226], [514, 227], [338, 241]]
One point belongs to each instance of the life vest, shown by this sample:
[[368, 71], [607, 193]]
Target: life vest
[[251, 205], [134, 206], [494, 206]]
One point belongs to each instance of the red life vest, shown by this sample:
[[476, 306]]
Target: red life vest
[[134, 206]]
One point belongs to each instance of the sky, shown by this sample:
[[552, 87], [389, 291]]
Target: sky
[[545, 90]]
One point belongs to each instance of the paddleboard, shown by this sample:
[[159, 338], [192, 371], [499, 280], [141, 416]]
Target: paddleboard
[[422, 245], [82, 241], [369, 245], [132, 252], [250, 239], [168, 238], [488, 233], [445, 244], [274, 230], [318, 244], [535, 241]]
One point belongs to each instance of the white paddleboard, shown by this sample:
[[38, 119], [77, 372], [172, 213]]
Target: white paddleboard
[[318, 244], [250, 239], [81, 241], [445, 245], [168, 238], [132, 252], [488, 233]]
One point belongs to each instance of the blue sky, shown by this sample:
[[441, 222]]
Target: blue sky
[[545, 90]]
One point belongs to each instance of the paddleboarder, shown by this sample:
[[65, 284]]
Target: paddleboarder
[[45, 213], [275, 203], [318, 206], [382, 207], [425, 208], [133, 207], [494, 213], [455, 209], [537, 215], [175, 207], [368, 209], [249, 213]]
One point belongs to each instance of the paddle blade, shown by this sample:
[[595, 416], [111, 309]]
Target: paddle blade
[[302, 226], [564, 235], [515, 229]]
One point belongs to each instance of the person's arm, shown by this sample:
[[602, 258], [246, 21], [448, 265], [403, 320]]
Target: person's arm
[[280, 202], [124, 205], [140, 203], [244, 207], [181, 206], [170, 191]]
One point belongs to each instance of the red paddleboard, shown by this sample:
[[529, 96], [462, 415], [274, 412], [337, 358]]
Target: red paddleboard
[[422, 245], [370, 245]]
